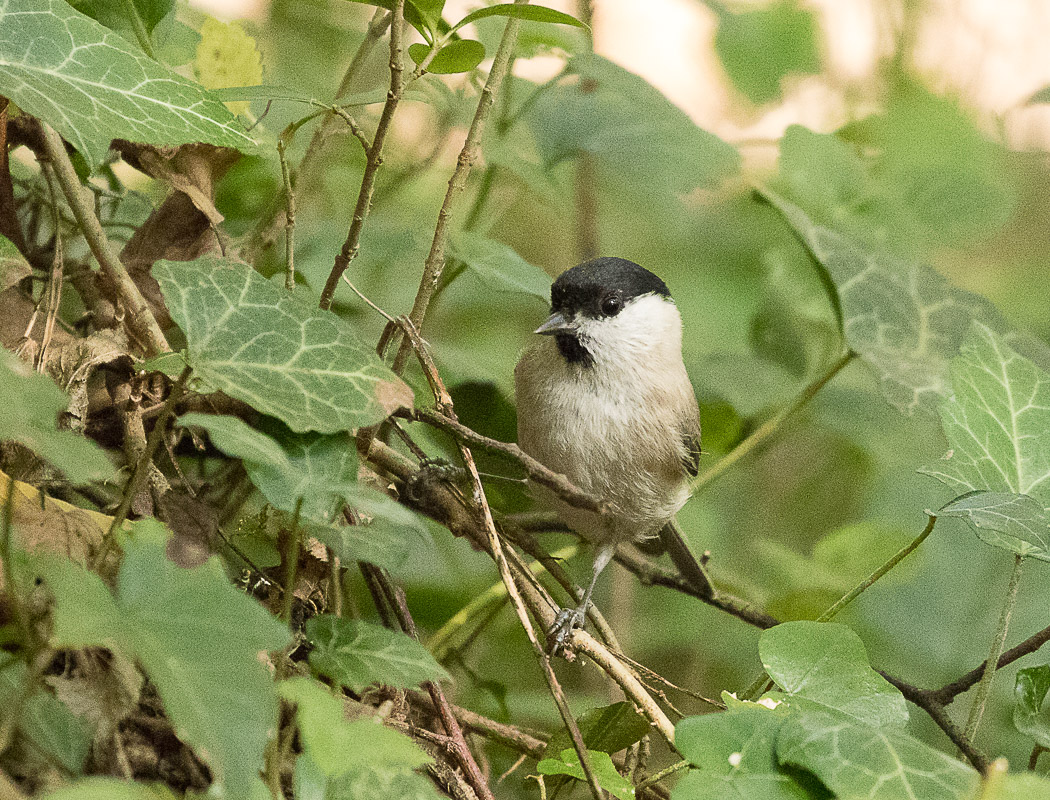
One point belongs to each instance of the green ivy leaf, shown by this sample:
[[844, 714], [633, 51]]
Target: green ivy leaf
[[198, 638], [32, 403], [735, 753], [356, 654], [846, 722], [853, 759], [1020, 519], [461, 55], [998, 426], [92, 86], [826, 663], [1015, 786], [499, 266], [285, 466], [43, 719], [1030, 688], [337, 746], [568, 763], [902, 317], [387, 534], [531, 13], [759, 48], [275, 351]]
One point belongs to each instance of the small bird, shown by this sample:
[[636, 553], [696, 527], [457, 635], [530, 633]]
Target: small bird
[[604, 399]]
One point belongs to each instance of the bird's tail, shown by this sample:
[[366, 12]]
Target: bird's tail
[[684, 560]]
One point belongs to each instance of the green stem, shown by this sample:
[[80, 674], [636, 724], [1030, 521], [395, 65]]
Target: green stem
[[771, 425], [897, 557], [139, 27], [984, 688], [656, 777]]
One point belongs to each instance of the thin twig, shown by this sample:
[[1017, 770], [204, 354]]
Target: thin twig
[[950, 691], [289, 219], [265, 232], [480, 501], [441, 704], [985, 686], [435, 260], [542, 475], [352, 243], [142, 323], [53, 292], [897, 557], [142, 467], [770, 426]]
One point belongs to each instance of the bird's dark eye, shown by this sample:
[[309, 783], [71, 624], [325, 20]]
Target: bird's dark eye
[[612, 305]]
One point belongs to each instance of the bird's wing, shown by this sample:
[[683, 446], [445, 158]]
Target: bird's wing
[[691, 445]]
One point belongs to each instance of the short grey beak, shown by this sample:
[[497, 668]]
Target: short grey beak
[[556, 323]]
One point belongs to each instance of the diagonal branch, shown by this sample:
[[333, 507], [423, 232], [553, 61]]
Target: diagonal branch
[[435, 261], [141, 322]]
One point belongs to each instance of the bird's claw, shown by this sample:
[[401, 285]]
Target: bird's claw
[[559, 633]]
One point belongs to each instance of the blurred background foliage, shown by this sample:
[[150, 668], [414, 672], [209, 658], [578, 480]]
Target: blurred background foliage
[[905, 148]]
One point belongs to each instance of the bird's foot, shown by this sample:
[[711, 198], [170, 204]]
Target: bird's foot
[[559, 633], [434, 469]]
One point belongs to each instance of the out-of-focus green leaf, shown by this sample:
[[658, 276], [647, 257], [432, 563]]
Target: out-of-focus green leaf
[[43, 719], [998, 425], [759, 48], [902, 317], [355, 654], [227, 56], [568, 763], [378, 782], [735, 754], [461, 55], [499, 266], [607, 728], [175, 42], [1030, 688], [29, 407], [1041, 96], [954, 184], [13, 266], [531, 13], [636, 134], [275, 351], [826, 664], [93, 86], [1021, 520], [109, 789], [198, 638], [338, 746]]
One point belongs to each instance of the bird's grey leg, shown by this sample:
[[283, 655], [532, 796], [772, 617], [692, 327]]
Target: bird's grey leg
[[569, 619]]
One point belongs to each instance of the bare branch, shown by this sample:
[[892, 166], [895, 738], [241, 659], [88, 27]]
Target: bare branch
[[141, 321], [352, 244]]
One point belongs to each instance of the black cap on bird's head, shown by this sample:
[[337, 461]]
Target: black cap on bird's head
[[590, 292], [598, 288]]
